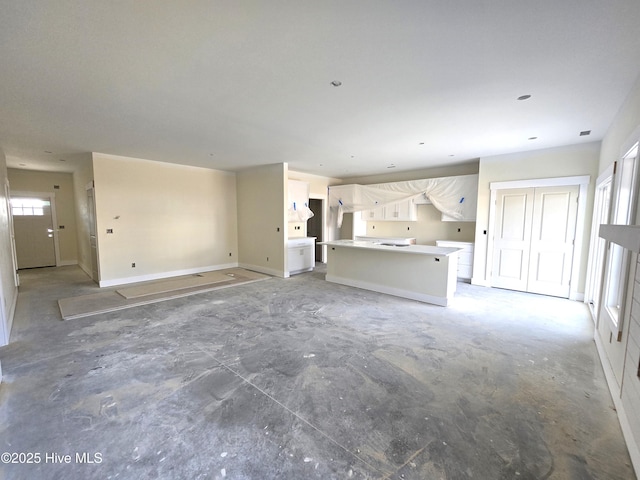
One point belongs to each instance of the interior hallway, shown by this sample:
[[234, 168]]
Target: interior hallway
[[300, 378]]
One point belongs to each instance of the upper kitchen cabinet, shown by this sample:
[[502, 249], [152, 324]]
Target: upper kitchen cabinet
[[467, 190], [404, 211], [298, 203]]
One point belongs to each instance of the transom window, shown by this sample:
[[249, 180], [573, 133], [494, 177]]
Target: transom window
[[28, 206]]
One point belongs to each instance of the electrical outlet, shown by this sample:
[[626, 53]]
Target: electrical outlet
[[133, 265], [109, 230]]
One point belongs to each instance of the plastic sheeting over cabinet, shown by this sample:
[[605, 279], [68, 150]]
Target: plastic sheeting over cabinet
[[455, 197], [298, 209]]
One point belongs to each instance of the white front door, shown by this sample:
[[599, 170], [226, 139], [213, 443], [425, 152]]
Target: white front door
[[34, 232], [534, 239]]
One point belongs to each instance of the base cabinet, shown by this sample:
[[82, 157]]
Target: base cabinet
[[465, 257], [301, 255]]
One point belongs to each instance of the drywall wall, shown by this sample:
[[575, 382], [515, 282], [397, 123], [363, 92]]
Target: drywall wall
[[167, 219], [624, 130], [262, 218], [622, 356], [82, 177], [37, 181], [467, 168], [8, 286], [426, 230], [572, 160]]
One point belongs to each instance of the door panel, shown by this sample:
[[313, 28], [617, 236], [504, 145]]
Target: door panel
[[552, 235], [512, 238], [35, 245]]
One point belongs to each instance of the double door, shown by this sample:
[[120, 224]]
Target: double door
[[534, 239]]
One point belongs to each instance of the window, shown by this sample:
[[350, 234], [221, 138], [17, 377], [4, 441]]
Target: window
[[622, 214], [28, 206]]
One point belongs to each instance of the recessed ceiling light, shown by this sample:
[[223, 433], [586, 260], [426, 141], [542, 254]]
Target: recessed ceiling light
[[584, 133], [524, 97], [421, 143], [336, 83], [452, 155], [62, 160], [391, 166], [533, 138]]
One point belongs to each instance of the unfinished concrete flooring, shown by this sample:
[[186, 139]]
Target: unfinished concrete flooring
[[300, 378]]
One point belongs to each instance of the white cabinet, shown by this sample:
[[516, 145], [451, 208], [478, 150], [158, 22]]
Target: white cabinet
[[404, 211], [465, 257], [298, 199], [374, 214], [301, 255], [467, 187]]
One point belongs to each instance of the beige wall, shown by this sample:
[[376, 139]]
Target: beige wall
[[262, 219], [8, 288], [466, 168], [36, 181], [166, 218], [623, 132], [426, 230], [572, 160]]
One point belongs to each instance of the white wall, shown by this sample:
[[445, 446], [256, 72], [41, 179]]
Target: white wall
[[8, 288], [571, 160], [36, 181], [166, 218], [622, 134], [262, 218]]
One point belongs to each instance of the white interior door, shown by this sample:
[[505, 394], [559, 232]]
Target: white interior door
[[552, 236], [512, 238], [34, 232], [534, 239]]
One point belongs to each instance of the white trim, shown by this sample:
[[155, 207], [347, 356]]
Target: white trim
[[582, 181], [615, 391], [162, 275], [398, 292], [542, 182]]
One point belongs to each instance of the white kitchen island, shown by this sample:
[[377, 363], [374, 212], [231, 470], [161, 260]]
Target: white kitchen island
[[418, 272]]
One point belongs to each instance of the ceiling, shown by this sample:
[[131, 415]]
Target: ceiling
[[228, 85]]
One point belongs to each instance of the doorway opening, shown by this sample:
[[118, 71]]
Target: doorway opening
[[315, 226]]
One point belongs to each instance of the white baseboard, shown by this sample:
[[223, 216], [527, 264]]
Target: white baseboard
[[162, 275], [398, 292], [614, 390]]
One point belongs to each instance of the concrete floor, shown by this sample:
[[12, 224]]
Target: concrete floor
[[301, 378]]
